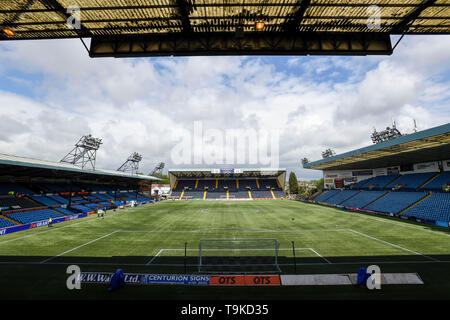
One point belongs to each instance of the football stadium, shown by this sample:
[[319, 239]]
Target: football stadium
[[377, 228], [385, 205]]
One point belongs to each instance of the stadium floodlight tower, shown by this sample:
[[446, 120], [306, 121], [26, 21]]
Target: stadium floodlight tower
[[385, 135], [305, 161], [132, 163], [328, 153], [84, 153], [158, 169]]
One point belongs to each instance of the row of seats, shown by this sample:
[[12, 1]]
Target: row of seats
[[419, 204], [256, 194], [382, 201], [326, 195], [33, 216], [44, 188], [46, 201], [435, 207], [82, 208], [64, 211], [437, 183], [11, 202], [5, 223], [431, 181], [226, 184], [45, 214], [236, 188], [395, 202], [363, 198]]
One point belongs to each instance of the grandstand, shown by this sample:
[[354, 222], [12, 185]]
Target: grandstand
[[227, 184], [407, 177], [34, 190], [183, 27]]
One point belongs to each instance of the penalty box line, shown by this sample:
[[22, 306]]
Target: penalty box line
[[234, 231], [281, 249], [80, 246], [393, 245]]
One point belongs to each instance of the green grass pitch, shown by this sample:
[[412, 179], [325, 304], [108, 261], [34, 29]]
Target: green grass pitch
[[151, 239]]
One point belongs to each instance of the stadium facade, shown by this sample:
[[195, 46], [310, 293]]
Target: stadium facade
[[227, 184], [407, 177]]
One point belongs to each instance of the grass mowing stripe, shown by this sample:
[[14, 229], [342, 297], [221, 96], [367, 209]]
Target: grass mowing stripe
[[43, 232], [89, 219], [384, 219], [80, 246], [393, 245]]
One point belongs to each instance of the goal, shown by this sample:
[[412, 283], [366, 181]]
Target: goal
[[238, 256]]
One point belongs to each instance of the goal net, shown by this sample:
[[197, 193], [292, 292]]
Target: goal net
[[238, 256]]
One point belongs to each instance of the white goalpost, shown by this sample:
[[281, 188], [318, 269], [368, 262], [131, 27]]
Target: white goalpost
[[238, 256]]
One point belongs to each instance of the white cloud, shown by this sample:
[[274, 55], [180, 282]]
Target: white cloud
[[147, 105]]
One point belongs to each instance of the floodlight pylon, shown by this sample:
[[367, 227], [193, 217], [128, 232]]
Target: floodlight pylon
[[386, 135], [84, 153], [132, 163], [158, 169], [328, 153]]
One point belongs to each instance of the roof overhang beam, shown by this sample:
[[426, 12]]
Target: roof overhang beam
[[250, 43]]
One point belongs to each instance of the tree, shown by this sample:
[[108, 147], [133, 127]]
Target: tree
[[164, 177], [301, 189], [319, 184], [293, 183]]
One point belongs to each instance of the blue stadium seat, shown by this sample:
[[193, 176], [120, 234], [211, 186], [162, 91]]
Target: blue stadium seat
[[34, 216], [5, 223], [436, 207], [341, 196], [82, 208], [412, 181], [438, 182], [361, 183], [64, 211], [379, 182], [44, 200], [328, 194], [59, 199], [363, 198], [396, 201]]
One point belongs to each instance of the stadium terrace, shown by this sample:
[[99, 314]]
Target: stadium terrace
[[227, 184], [407, 177], [33, 191]]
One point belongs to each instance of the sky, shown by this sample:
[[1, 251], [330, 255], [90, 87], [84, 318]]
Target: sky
[[52, 93]]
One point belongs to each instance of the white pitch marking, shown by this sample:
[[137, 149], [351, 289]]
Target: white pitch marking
[[36, 234], [80, 246], [233, 230], [393, 245], [58, 228], [193, 265], [389, 221], [181, 249], [156, 256], [328, 261]]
